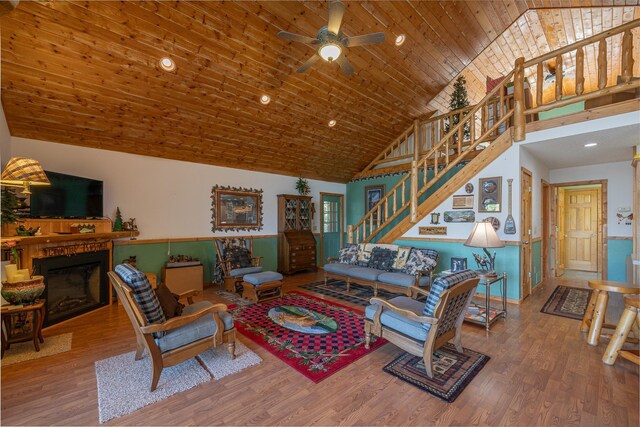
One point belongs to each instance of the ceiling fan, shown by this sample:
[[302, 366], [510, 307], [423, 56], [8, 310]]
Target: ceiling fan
[[330, 42], [550, 72]]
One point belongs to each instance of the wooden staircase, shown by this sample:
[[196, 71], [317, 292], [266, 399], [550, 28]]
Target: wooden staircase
[[432, 149]]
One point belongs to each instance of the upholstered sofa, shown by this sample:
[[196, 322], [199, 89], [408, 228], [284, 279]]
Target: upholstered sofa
[[383, 266]]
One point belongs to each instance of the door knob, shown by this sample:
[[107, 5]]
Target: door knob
[[526, 242]]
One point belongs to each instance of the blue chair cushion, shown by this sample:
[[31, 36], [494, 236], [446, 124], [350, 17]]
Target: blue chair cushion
[[401, 279], [142, 292], [246, 270], [338, 268], [257, 279], [399, 323], [194, 331], [365, 273], [442, 284]]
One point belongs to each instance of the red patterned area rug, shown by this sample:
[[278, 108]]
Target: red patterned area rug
[[452, 371], [315, 337]]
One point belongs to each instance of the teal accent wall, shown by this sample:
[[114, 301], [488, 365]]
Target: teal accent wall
[[355, 195], [152, 256], [576, 107], [536, 263], [617, 253], [507, 260]]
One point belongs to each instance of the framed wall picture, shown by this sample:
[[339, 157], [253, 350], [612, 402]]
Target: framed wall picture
[[490, 194], [462, 202], [436, 231], [458, 264], [372, 195], [236, 209]]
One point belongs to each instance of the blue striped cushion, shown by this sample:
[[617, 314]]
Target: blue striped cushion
[[142, 292], [442, 284]]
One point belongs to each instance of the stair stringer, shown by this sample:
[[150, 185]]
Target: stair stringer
[[471, 169]]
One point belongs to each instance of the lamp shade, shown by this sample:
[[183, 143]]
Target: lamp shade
[[484, 236], [21, 170]]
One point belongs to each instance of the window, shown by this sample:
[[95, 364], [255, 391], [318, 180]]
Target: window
[[330, 217]]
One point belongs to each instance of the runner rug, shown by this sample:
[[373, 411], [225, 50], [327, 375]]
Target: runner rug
[[568, 302], [452, 371], [315, 337]]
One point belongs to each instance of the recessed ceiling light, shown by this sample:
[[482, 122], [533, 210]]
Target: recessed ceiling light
[[265, 99], [400, 39], [591, 144], [167, 64], [332, 123]]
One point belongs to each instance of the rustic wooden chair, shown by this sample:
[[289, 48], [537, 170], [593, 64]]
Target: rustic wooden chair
[[201, 326], [421, 328], [232, 271]]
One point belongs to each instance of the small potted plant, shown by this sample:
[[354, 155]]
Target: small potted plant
[[302, 185]]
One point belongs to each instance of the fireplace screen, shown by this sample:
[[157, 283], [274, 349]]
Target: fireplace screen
[[74, 284]]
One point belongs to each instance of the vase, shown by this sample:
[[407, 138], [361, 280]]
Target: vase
[[24, 292]]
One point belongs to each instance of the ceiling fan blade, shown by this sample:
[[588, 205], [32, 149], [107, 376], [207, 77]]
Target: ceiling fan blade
[[304, 67], [363, 40], [345, 65], [297, 38], [336, 12]]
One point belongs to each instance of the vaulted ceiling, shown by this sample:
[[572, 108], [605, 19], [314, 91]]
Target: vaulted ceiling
[[86, 73]]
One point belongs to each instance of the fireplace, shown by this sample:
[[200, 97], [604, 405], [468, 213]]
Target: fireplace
[[75, 284]]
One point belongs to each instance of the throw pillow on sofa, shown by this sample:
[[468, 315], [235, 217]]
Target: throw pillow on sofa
[[349, 254], [382, 259], [402, 257], [240, 257], [420, 259]]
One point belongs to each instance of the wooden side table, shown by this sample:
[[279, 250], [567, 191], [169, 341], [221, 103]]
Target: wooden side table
[[593, 320], [10, 337]]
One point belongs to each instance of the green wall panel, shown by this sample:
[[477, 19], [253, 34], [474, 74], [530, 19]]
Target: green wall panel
[[355, 195], [617, 253], [507, 260], [536, 263]]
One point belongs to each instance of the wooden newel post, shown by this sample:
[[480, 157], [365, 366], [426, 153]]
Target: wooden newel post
[[417, 143], [414, 191], [519, 122], [627, 56], [350, 234]]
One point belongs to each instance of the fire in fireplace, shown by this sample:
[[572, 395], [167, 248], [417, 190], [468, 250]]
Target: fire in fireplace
[[75, 284]]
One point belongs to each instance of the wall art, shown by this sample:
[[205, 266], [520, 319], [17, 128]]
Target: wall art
[[490, 194], [459, 216], [462, 202], [236, 209]]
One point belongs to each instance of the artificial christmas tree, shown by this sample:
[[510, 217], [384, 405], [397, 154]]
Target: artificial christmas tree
[[117, 224], [459, 99]]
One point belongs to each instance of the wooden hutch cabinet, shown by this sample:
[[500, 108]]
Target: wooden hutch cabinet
[[296, 243]]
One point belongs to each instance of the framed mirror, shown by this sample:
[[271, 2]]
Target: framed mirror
[[236, 209]]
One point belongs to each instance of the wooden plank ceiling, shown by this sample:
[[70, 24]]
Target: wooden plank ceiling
[[85, 73], [546, 30]]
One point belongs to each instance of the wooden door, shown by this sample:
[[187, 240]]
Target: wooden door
[[331, 233], [559, 221], [581, 228], [546, 232], [526, 181]]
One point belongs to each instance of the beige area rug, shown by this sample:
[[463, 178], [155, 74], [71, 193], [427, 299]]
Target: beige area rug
[[123, 382], [24, 351]]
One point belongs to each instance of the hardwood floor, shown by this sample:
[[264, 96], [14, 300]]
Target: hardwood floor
[[541, 372]]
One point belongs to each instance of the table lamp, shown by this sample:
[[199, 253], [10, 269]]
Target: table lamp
[[23, 172], [484, 236]]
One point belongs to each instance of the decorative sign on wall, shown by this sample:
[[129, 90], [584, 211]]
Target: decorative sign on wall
[[462, 202], [490, 194], [437, 231], [624, 215], [468, 188], [459, 216]]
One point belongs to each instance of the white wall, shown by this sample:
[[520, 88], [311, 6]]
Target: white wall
[[507, 166], [539, 172], [619, 178], [168, 198]]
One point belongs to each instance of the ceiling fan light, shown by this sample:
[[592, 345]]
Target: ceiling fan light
[[330, 52]]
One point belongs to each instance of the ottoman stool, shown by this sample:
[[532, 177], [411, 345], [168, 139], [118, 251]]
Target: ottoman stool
[[263, 286]]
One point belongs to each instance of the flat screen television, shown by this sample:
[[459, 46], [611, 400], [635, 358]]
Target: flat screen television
[[68, 196]]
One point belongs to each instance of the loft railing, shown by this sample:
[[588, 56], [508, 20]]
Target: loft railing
[[478, 126]]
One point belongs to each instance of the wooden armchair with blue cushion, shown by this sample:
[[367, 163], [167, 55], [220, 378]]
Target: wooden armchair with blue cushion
[[421, 328], [235, 259], [170, 341]]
